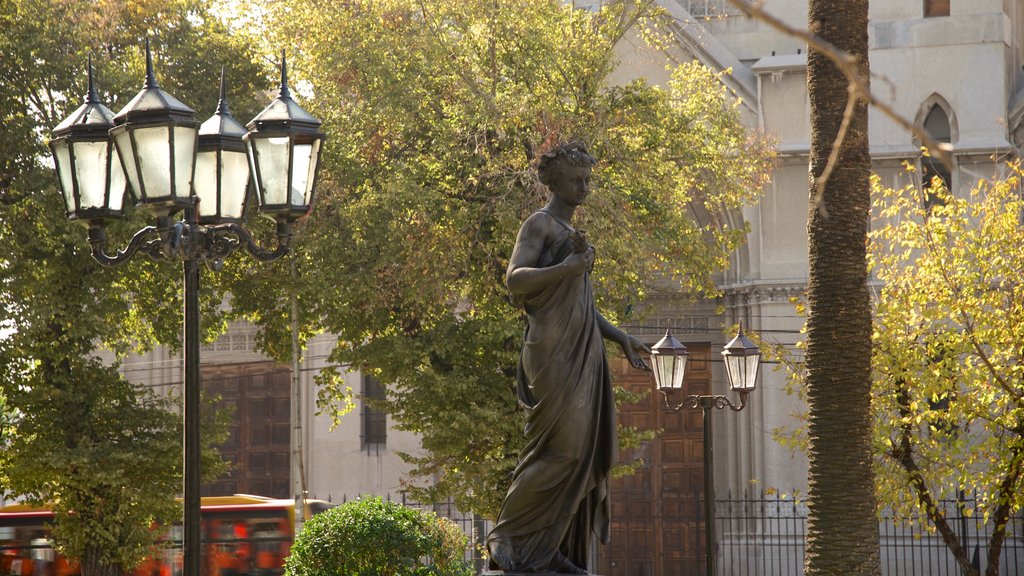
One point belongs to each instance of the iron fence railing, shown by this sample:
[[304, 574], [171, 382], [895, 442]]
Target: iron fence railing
[[764, 534]]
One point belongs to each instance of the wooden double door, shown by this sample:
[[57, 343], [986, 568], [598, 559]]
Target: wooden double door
[[258, 397], [657, 525]]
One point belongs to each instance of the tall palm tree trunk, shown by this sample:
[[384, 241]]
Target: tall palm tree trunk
[[842, 534]]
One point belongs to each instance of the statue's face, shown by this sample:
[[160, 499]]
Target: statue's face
[[572, 184]]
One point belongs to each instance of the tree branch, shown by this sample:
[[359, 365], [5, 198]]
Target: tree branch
[[968, 323], [1007, 490], [462, 71], [904, 455]]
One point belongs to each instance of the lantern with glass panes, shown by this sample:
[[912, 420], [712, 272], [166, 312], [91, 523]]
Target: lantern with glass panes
[[741, 357], [89, 171], [170, 164]]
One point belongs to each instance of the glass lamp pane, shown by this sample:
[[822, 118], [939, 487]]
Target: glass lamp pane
[[252, 167], [117, 189], [272, 157], [153, 149], [679, 372], [123, 142], [184, 159], [234, 182], [669, 370], [732, 372], [300, 174], [206, 182], [752, 364], [62, 156], [311, 172], [742, 371], [91, 167]]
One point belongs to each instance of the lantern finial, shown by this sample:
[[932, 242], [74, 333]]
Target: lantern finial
[[222, 104], [150, 76], [92, 97], [285, 92]]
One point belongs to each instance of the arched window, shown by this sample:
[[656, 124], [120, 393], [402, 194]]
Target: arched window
[[936, 123]]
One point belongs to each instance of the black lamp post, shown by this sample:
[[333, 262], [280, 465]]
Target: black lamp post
[[742, 359], [172, 164]]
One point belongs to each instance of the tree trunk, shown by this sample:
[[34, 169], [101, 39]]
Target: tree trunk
[[93, 565], [842, 532]]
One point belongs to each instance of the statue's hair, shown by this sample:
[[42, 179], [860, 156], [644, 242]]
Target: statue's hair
[[569, 154]]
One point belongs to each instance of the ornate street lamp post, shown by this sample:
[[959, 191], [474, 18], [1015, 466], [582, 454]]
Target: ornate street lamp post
[[172, 164], [742, 359]]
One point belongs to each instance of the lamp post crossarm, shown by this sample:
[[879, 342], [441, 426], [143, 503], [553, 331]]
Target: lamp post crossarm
[[242, 237], [707, 401], [720, 402], [213, 244], [187, 241], [146, 240]]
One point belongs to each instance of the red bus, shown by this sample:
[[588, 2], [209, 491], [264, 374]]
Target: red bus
[[242, 535]]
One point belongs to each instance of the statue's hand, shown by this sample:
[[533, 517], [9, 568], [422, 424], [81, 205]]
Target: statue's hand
[[579, 262], [579, 241], [633, 349]]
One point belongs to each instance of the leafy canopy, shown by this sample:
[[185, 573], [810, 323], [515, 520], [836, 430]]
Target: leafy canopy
[[949, 336], [112, 462], [436, 113], [948, 388]]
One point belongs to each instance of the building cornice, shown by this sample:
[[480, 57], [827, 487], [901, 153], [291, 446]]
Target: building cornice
[[761, 292]]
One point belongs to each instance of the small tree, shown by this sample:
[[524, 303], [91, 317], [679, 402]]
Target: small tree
[[380, 538], [949, 336]]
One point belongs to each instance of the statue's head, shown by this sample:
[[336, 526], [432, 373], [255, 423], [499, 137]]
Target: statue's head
[[571, 154]]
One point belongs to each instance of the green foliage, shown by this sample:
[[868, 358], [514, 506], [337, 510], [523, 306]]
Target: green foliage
[[948, 388], [631, 436], [104, 453], [105, 456], [437, 112], [949, 335], [374, 537]]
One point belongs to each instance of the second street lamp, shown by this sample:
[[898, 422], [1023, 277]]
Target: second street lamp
[[88, 170], [171, 164], [283, 144], [742, 359], [155, 135], [222, 175]]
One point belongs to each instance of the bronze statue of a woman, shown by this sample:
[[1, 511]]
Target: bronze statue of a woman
[[559, 492]]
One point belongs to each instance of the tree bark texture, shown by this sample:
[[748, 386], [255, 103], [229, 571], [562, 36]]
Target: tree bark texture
[[842, 533]]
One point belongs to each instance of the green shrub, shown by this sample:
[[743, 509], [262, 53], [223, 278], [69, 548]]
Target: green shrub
[[373, 537]]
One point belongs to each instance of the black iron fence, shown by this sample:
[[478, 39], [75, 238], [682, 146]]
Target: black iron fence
[[763, 535]]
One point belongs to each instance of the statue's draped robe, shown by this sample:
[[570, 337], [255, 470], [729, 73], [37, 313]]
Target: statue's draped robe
[[559, 491]]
